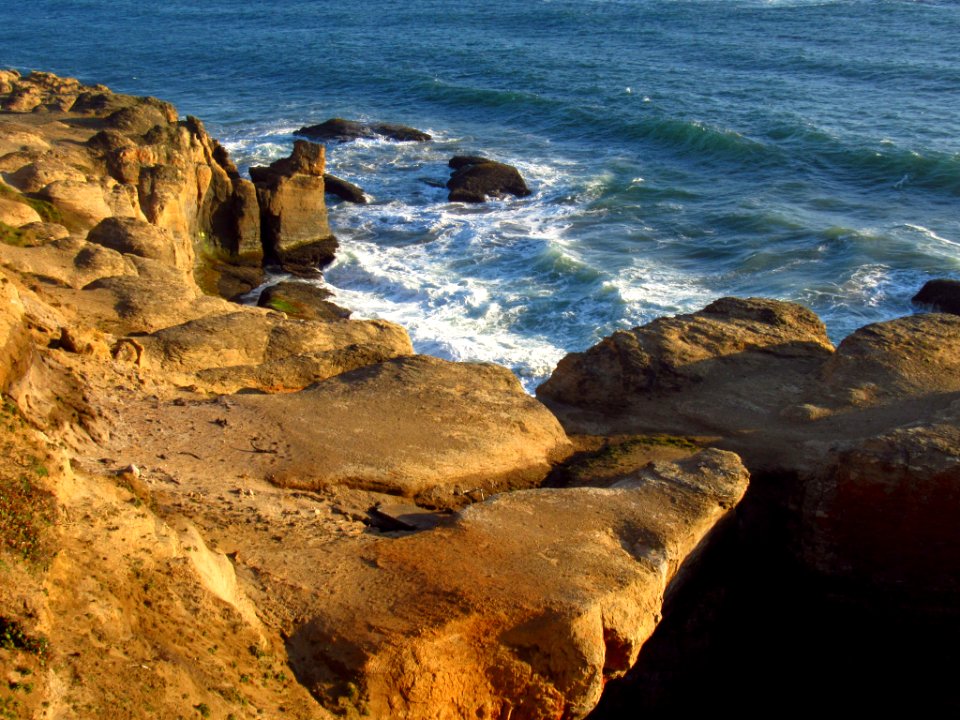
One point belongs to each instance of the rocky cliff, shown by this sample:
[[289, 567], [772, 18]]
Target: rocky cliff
[[230, 511]]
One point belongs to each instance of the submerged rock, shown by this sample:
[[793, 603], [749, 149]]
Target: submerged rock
[[344, 190], [476, 178], [340, 130]]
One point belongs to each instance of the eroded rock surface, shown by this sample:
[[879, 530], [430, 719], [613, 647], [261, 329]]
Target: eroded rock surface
[[860, 429], [293, 213], [525, 606]]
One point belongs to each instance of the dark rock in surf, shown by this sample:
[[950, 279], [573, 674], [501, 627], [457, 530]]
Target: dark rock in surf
[[302, 300], [476, 178], [941, 295], [340, 130], [344, 190]]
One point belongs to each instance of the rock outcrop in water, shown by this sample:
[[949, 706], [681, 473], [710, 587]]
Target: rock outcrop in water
[[194, 491], [864, 428], [340, 130], [475, 179]]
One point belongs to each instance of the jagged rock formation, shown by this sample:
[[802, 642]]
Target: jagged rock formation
[[292, 210], [941, 295], [301, 300], [864, 428], [206, 472]]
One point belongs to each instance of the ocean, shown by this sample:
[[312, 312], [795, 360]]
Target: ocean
[[677, 151]]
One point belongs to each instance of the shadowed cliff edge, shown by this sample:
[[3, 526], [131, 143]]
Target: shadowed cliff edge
[[230, 511]]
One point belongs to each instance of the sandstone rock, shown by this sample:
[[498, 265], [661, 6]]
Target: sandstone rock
[[343, 189], [41, 171], [293, 211], [942, 295], [340, 130], [83, 202], [524, 607], [880, 516], [891, 361], [16, 214], [250, 348], [301, 300], [15, 345], [137, 237], [152, 297], [475, 179], [729, 338], [416, 426]]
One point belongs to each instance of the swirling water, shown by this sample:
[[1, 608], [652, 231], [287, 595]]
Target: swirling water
[[679, 151]]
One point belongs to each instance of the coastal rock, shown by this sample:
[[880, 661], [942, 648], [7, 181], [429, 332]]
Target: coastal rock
[[39, 170], [67, 262], [730, 339], [414, 426], [255, 349], [149, 297], [16, 214], [889, 362], [14, 338], [942, 295], [293, 212], [524, 607], [138, 237], [475, 179], [880, 516], [343, 189], [856, 446], [340, 130], [301, 300]]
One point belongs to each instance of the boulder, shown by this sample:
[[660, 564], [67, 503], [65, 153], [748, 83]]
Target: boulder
[[16, 214], [253, 349], [731, 340], [340, 130], [524, 607], [149, 297], [414, 426], [301, 300], [137, 237], [81, 201], [890, 362], [475, 179], [941, 295], [293, 211], [343, 189]]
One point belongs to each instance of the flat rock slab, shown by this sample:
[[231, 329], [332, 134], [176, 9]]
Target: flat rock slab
[[523, 608], [414, 426]]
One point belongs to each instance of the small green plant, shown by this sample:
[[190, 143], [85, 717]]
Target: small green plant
[[14, 637], [203, 709], [10, 235]]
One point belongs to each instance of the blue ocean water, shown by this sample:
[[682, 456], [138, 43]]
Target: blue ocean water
[[678, 150]]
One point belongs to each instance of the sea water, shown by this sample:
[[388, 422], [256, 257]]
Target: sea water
[[677, 151]]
